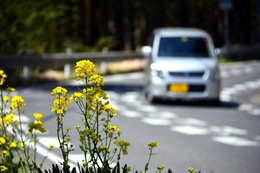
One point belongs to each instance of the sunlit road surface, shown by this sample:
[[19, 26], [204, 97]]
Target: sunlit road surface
[[224, 138]]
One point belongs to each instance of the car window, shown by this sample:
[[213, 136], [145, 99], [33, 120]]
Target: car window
[[183, 47]]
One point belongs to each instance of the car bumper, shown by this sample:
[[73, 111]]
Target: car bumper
[[205, 90]]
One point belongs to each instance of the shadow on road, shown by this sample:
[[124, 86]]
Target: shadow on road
[[124, 88]]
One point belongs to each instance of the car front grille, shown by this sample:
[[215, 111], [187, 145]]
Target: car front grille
[[187, 74]]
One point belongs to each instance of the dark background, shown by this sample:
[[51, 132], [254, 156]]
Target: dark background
[[35, 27]]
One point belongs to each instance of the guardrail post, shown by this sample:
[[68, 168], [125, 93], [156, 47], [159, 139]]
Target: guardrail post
[[26, 72], [103, 66], [67, 71]]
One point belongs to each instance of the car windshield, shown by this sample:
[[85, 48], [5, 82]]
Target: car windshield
[[183, 47]]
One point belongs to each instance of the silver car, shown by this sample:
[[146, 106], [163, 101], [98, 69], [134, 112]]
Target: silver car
[[182, 65]]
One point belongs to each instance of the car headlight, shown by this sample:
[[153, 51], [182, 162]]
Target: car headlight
[[156, 72]]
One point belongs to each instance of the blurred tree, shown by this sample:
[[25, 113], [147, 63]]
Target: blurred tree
[[31, 26]]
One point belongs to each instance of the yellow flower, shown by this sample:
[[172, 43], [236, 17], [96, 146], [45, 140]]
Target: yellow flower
[[5, 98], [2, 141], [160, 168], [84, 68], [8, 119], [192, 170], [123, 145], [17, 102], [51, 146], [77, 127], [114, 128], [154, 144], [2, 77], [4, 152], [108, 108], [76, 96], [13, 144], [10, 89], [38, 116], [96, 80], [128, 169], [22, 144], [60, 105], [37, 125], [3, 168], [59, 91]]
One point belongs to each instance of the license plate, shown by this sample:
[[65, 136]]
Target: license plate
[[179, 88]]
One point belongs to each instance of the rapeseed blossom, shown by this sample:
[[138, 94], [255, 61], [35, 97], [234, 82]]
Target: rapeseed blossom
[[8, 119], [76, 96], [59, 91], [17, 102], [192, 170], [114, 128], [38, 116], [2, 141], [160, 168], [6, 98], [13, 144], [154, 144], [123, 145], [10, 89], [3, 76], [3, 168], [37, 124], [60, 103], [108, 108], [84, 68], [96, 80]]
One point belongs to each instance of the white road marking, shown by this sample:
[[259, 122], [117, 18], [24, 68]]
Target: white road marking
[[255, 112], [234, 141], [190, 130], [235, 71], [156, 121], [233, 130], [131, 114], [192, 121], [248, 70], [147, 108]]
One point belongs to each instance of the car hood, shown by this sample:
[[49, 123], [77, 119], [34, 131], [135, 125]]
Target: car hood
[[187, 64]]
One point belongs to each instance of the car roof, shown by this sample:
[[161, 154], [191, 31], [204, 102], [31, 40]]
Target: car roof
[[180, 32]]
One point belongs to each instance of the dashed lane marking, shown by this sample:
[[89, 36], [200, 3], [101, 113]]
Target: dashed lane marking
[[190, 126], [235, 141]]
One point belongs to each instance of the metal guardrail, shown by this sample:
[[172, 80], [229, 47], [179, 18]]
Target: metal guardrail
[[238, 50], [67, 59], [61, 59]]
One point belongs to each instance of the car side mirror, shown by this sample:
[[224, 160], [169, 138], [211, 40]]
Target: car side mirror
[[146, 51]]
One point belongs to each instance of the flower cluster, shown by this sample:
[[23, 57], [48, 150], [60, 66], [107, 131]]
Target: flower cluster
[[96, 135], [84, 69], [100, 141], [3, 76], [15, 140]]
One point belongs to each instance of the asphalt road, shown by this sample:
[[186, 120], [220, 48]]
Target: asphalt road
[[222, 139]]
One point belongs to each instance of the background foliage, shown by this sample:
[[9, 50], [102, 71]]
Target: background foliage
[[33, 27]]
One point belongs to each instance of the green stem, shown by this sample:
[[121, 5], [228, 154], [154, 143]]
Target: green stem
[[20, 132], [148, 162]]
